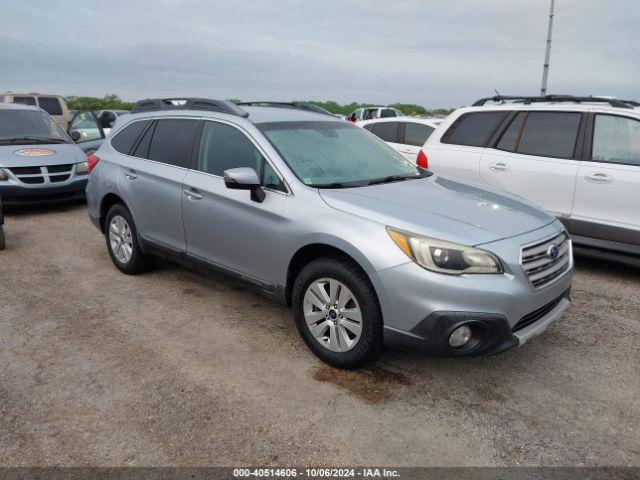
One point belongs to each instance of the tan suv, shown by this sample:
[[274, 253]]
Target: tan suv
[[54, 105]]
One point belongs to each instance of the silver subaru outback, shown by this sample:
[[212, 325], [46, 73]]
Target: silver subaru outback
[[366, 247]]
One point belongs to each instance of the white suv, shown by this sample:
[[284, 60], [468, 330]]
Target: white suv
[[369, 113], [578, 157], [405, 134]]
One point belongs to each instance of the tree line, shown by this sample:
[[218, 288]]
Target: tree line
[[111, 101]]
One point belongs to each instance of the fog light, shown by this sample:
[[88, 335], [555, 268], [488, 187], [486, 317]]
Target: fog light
[[460, 336], [3, 175]]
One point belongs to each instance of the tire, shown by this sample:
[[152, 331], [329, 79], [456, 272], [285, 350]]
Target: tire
[[3, 244], [128, 256], [308, 314]]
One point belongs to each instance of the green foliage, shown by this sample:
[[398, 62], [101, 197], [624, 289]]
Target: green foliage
[[109, 101], [112, 101]]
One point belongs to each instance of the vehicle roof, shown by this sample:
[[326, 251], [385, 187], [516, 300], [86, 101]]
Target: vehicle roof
[[257, 114], [432, 122], [31, 94], [560, 106], [17, 106]]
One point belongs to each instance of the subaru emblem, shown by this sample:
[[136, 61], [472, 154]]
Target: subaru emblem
[[553, 251]]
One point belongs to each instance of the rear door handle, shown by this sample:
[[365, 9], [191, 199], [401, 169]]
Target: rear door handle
[[499, 167], [598, 177], [130, 174], [192, 194]]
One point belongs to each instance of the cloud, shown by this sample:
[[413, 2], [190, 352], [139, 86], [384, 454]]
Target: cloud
[[432, 53]]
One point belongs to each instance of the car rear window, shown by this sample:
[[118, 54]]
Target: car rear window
[[51, 105], [473, 129], [387, 131], [172, 142], [126, 138], [550, 134], [416, 133]]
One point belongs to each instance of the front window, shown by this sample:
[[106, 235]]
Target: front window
[[51, 105], [616, 140], [28, 127], [337, 155]]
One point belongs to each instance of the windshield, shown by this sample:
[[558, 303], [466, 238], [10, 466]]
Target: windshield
[[27, 127], [337, 155]]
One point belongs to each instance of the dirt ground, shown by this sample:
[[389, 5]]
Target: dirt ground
[[176, 367]]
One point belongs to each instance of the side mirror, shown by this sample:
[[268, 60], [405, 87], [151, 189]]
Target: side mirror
[[244, 178], [75, 135]]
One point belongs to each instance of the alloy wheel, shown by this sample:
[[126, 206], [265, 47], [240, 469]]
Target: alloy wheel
[[120, 239], [332, 314]]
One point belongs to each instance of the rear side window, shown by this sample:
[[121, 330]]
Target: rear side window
[[473, 129], [172, 142], [25, 100], [51, 105], [387, 131], [416, 133], [512, 134], [142, 148], [126, 138], [550, 134]]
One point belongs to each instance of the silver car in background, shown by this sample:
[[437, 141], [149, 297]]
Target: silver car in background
[[365, 246]]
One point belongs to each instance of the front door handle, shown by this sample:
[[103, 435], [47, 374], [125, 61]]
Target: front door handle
[[192, 194], [598, 177], [130, 174], [499, 167]]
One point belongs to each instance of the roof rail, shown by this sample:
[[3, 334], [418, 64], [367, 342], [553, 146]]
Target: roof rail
[[222, 106], [310, 107], [633, 103], [552, 98]]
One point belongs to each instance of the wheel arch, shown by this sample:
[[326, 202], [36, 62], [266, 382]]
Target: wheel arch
[[108, 201], [312, 251]]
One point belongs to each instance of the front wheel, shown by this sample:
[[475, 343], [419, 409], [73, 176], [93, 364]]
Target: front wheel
[[337, 313], [3, 244]]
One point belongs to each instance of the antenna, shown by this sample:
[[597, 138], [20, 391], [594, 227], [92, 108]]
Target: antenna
[[547, 54]]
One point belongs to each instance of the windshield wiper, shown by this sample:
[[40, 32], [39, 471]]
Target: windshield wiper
[[332, 185], [33, 140], [391, 178]]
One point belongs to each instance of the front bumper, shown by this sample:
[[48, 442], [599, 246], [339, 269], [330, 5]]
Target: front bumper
[[421, 308], [18, 195], [492, 333]]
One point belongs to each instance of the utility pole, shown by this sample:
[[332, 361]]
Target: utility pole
[[547, 54]]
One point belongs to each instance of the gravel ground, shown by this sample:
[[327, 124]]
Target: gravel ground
[[176, 367]]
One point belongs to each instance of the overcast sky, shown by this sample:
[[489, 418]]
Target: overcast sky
[[434, 53]]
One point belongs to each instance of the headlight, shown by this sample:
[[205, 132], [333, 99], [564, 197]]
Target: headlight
[[4, 176], [445, 257], [82, 168]]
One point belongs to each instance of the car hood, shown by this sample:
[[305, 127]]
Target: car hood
[[40, 155], [442, 208]]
